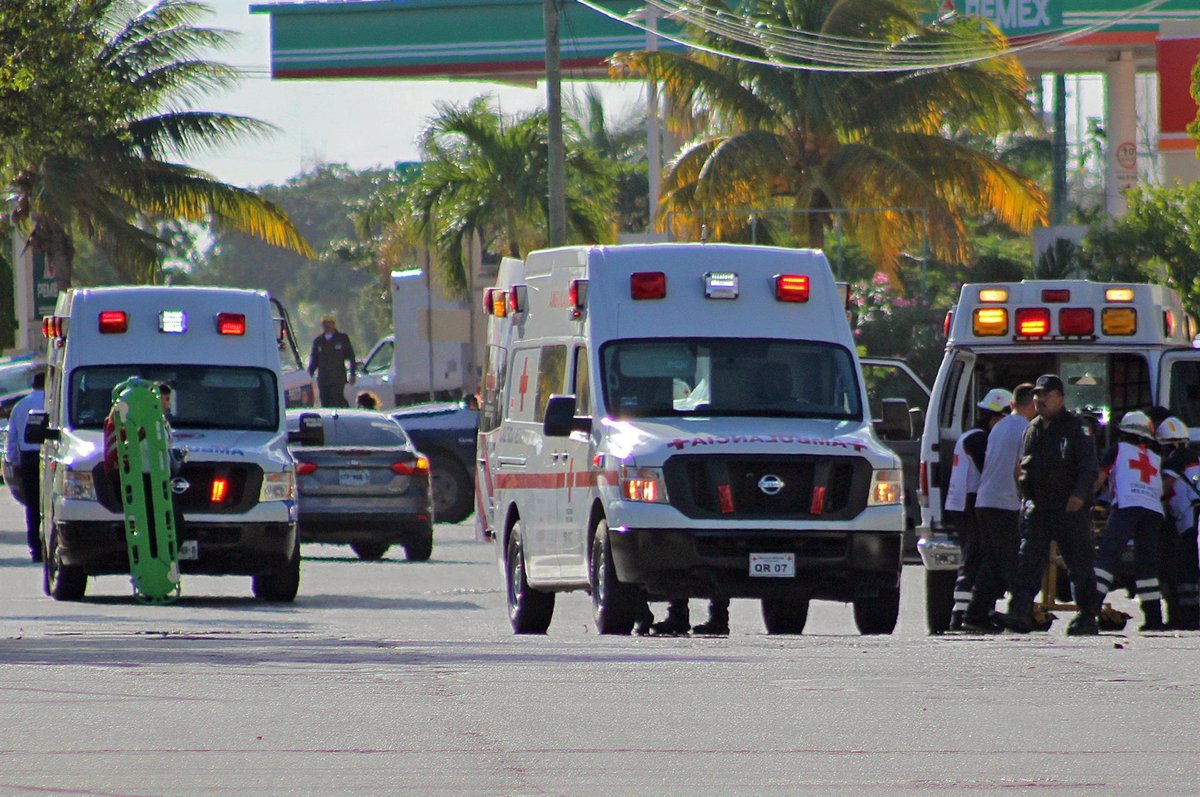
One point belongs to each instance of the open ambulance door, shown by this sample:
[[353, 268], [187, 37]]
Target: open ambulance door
[[1179, 387], [952, 411]]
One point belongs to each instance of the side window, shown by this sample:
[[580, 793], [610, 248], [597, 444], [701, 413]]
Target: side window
[[949, 395], [494, 362], [583, 398], [381, 359], [520, 386], [551, 370], [1184, 401], [892, 381]]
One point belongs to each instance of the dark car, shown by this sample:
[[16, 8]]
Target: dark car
[[446, 433], [365, 486]]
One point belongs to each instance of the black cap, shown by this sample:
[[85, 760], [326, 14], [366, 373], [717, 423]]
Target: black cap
[[1048, 382]]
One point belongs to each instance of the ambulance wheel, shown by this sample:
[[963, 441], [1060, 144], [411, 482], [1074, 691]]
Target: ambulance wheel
[[61, 582], [419, 550], [785, 615], [279, 586], [453, 490], [614, 604], [369, 551], [878, 615], [529, 610], [939, 599]]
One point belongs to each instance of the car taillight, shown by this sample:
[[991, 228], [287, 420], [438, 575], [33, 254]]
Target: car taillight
[[113, 321], [923, 488], [305, 468], [411, 467]]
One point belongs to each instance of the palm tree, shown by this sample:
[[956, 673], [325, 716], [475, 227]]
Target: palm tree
[[811, 142], [113, 182], [483, 174]]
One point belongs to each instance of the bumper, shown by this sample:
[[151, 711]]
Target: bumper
[[716, 564], [347, 527], [223, 548], [939, 553]]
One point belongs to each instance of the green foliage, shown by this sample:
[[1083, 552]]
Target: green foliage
[[1060, 261]]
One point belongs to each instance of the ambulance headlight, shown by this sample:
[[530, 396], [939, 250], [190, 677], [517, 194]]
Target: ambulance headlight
[[643, 484], [78, 485], [278, 486], [887, 487]]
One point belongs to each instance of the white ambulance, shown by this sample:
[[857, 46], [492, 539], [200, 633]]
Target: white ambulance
[[1117, 347], [688, 420], [218, 349]]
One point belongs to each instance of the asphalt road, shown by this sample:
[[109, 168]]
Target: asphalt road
[[398, 678]]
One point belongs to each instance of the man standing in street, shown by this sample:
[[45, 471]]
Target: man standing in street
[[25, 458], [1057, 472], [997, 510], [331, 351]]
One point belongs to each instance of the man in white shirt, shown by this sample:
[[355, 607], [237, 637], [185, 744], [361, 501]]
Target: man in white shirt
[[24, 459], [997, 510]]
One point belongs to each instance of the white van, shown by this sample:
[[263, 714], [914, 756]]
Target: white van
[[218, 348], [1117, 347], [688, 420]]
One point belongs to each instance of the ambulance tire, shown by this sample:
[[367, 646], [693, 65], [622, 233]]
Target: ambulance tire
[[452, 487], [279, 586], [529, 610], [370, 551], [61, 582], [878, 615], [939, 599], [614, 604], [785, 615]]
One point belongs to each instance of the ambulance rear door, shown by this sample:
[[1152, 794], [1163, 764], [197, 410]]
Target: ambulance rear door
[[1179, 387]]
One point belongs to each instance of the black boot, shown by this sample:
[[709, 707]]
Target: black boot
[[1152, 611], [718, 620], [1189, 618], [677, 622], [645, 619], [956, 620]]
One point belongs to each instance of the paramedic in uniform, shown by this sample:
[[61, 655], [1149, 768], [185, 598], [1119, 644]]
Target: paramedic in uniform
[[331, 351], [969, 451], [1057, 473], [1179, 569], [998, 512], [25, 459]]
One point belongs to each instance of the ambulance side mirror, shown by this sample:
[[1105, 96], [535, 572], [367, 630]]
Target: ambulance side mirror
[[37, 429], [560, 420], [897, 422], [311, 431]]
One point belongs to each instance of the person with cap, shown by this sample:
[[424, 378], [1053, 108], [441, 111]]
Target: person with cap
[[998, 513], [1132, 471], [25, 460], [1057, 475], [331, 351], [1178, 563], [965, 468]]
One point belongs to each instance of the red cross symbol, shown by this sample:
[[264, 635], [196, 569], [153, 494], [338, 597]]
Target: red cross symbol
[[955, 459], [1144, 466], [523, 385]]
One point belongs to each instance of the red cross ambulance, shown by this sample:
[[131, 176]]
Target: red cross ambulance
[[218, 349], [686, 420], [1117, 347]]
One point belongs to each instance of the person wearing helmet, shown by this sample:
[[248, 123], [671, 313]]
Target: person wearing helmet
[[1057, 472], [1179, 566], [1133, 471], [965, 469]]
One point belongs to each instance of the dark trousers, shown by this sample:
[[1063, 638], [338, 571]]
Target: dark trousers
[[967, 528], [333, 394], [1073, 533], [1180, 573], [1143, 526], [999, 548], [32, 487]]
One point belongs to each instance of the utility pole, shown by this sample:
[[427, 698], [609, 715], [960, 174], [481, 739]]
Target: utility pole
[[556, 168], [1058, 153]]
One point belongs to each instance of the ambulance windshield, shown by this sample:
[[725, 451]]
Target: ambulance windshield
[[729, 376], [204, 396]]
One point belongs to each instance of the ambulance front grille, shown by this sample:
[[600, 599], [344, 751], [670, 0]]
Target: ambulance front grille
[[242, 485], [767, 487]]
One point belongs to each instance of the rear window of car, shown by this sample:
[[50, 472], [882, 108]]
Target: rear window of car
[[359, 432]]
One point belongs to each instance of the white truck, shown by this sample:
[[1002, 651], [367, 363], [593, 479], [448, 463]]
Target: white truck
[[687, 420], [1117, 347], [219, 350]]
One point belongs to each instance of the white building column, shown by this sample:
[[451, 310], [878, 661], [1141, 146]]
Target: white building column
[[653, 135], [1120, 129]]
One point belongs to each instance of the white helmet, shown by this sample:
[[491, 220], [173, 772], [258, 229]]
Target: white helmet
[[1138, 424], [997, 400], [1171, 430]]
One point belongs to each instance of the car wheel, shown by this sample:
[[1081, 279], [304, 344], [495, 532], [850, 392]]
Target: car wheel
[[878, 615], [279, 586], [420, 549], [939, 599], [785, 615], [61, 582], [614, 604], [453, 489], [369, 551], [529, 610]]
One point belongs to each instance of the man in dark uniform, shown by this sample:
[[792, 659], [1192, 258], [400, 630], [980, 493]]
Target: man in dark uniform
[[331, 351], [1058, 470]]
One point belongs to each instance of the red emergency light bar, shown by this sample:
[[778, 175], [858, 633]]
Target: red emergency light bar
[[1076, 321], [1033, 322], [231, 324], [648, 285], [791, 287], [113, 322], [1056, 295]]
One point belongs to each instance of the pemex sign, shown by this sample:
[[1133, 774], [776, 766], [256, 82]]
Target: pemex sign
[[1013, 17]]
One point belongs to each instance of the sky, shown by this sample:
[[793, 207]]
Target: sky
[[360, 123]]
